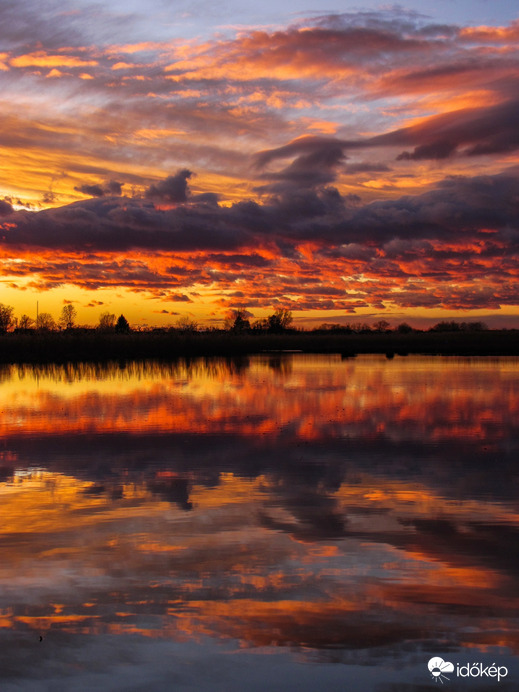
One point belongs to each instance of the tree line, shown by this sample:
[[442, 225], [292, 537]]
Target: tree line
[[237, 322], [67, 320]]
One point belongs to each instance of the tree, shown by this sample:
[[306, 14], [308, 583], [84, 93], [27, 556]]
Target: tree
[[260, 325], [361, 328], [446, 327], [25, 322], [334, 327], [476, 327], [6, 318], [237, 320], [45, 322], [122, 326], [68, 316], [106, 322], [280, 320], [186, 324], [381, 326], [404, 328]]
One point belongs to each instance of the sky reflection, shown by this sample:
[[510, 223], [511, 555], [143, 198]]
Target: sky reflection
[[189, 505]]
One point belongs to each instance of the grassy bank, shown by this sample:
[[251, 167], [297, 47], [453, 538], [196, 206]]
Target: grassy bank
[[94, 346]]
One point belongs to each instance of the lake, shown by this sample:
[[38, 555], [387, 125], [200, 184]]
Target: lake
[[278, 522]]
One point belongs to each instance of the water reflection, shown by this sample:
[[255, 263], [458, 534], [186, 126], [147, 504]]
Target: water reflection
[[315, 511]]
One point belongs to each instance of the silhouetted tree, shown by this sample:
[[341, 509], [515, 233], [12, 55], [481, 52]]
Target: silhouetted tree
[[280, 320], [7, 320], [240, 324], [446, 326], [476, 327], [237, 320], [361, 328], [333, 328], [45, 322], [106, 322], [381, 326], [260, 325], [122, 326], [404, 328], [68, 316], [25, 322], [186, 324]]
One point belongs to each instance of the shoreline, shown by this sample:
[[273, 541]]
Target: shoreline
[[80, 346]]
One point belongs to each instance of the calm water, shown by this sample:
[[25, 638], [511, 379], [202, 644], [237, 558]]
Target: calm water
[[274, 523]]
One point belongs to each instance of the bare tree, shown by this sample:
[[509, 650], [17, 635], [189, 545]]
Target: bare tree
[[68, 316], [186, 324], [25, 322], [6, 318], [45, 322], [106, 322], [381, 326]]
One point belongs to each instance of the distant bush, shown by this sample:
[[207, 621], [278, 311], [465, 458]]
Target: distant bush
[[459, 327], [333, 328]]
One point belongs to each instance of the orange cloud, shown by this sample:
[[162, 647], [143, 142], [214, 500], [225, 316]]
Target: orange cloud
[[43, 59]]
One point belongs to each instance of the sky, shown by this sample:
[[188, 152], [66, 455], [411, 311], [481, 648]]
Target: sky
[[170, 160]]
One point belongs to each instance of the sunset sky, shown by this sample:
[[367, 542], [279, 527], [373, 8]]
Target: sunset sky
[[166, 159]]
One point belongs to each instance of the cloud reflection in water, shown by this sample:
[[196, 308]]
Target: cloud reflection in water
[[320, 510]]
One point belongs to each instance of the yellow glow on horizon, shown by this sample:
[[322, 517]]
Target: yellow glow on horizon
[[142, 309]]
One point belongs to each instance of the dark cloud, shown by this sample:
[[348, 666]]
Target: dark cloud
[[355, 168], [474, 132], [115, 188], [179, 298], [470, 131], [112, 188], [327, 151], [5, 208], [92, 190], [237, 261], [440, 149], [317, 161], [458, 205], [173, 189]]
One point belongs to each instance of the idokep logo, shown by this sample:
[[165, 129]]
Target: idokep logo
[[478, 670], [438, 667]]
